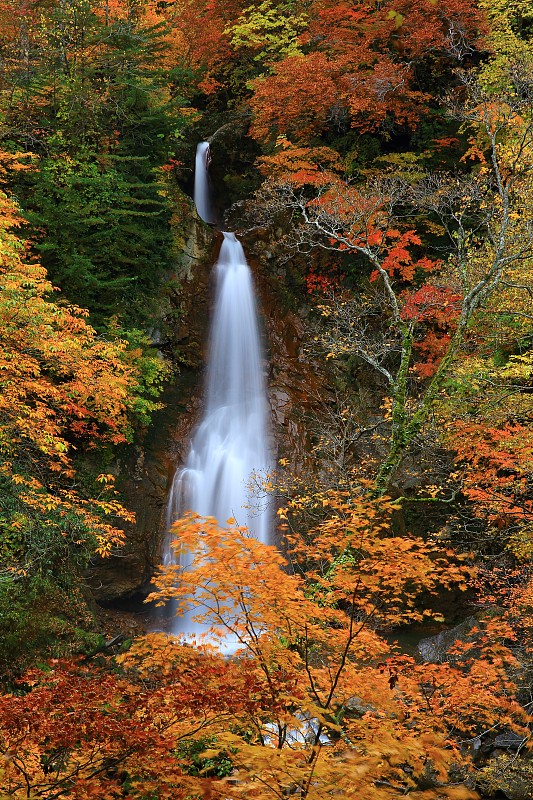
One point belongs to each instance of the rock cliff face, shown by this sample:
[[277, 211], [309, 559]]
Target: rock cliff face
[[294, 380], [145, 471]]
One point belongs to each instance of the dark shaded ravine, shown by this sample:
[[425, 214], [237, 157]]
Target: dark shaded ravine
[[145, 473]]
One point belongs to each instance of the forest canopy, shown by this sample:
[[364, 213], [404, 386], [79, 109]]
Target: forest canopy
[[376, 158]]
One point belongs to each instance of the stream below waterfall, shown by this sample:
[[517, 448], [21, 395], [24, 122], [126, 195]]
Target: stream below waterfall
[[229, 454]]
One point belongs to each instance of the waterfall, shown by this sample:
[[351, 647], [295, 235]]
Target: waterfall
[[202, 191], [230, 445]]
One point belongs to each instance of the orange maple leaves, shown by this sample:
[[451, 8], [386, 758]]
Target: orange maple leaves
[[316, 704], [359, 66], [62, 387]]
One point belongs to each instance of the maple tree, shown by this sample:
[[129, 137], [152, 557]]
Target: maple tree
[[56, 375], [64, 391], [314, 702], [86, 103], [486, 409], [485, 418], [360, 67]]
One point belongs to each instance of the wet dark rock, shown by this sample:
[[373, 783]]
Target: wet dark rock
[[508, 741], [145, 471], [357, 708], [437, 649]]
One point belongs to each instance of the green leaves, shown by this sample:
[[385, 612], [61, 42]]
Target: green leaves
[[268, 31], [107, 236]]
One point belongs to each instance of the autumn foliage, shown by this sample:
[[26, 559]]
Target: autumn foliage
[[361, 64], [63, 389], [395, 145], [313, 701]]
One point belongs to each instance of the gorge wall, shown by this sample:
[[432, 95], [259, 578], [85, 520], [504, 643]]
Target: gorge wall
[[145, 472]]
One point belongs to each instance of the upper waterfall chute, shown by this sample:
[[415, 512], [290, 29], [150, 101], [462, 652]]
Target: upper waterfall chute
[[202, 191]]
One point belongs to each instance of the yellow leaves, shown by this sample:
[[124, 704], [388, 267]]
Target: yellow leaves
[[396, 17], [19, 480], [347, 559], [267, 32], [316, 707], [106, 479], [60, 383], [386, 407], [519, 368]]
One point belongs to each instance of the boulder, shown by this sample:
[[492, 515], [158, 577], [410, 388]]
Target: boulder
[[507, 776], [437, 649]]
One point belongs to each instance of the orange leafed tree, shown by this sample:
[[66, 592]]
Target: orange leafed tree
[[361, 66], [62, 388], [486, 424], [423, 322], [314, 703], [316, 629]]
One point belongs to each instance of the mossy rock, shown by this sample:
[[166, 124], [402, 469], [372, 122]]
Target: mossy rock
[[507, 776]]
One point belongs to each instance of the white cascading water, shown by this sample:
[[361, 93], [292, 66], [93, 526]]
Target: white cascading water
[[202, 192], [229, 450]]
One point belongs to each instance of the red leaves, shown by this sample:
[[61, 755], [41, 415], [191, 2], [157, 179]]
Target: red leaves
[[432, 349], [398, 259], [315, 699], [494, 464], [296, 99], [323, 282], [375, 237], [359, 64], [446, 142], [438, 308], [432, 303], [317, 283]]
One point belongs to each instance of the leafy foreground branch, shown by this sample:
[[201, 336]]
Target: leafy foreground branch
[[314, 704]]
